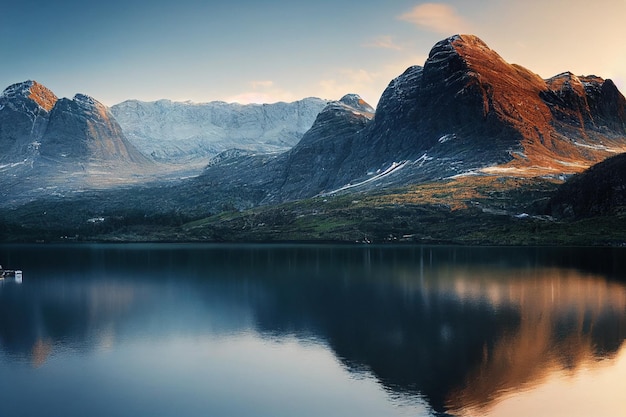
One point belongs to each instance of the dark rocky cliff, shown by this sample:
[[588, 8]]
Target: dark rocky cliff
[[51, 146], [599, 191], [82, 129], [308, 169], [24, 114], [313, 164], [35, 124], [467, 108]]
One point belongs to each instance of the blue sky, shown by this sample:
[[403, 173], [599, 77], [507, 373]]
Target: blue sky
[[285, 50]]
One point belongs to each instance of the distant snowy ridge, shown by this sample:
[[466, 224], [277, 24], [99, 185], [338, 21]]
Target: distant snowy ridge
[[182, 131]]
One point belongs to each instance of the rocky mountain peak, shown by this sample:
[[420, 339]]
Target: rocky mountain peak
[[350, 112], [527, 116], [87, 101], [32, 90], [24, 113], [42, 96], [474, 72], [97, 111], [356, 102], [459, 52], [612, 107], [351, 103], [83, 128]]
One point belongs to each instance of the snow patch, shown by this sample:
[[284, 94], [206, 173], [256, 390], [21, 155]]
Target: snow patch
[[395, 166], [500, 170], [422, 159], [465, 174], [571, 164], [447, 138], [599, 147], [518, 153], [13, 164]]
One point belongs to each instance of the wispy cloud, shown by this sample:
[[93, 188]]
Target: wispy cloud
[[369, 84], [436, 17], [384, 42], [262, 84], [344, 81], [262, 91]]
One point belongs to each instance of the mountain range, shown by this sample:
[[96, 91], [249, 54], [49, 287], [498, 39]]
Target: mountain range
[[51, 146], [37, 126], [465, 112], [467, 134], [186, 132]]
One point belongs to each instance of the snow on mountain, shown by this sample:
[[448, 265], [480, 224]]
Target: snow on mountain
[[183, 131], [466, 111]]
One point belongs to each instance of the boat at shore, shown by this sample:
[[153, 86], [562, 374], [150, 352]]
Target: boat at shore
[[10, 273]]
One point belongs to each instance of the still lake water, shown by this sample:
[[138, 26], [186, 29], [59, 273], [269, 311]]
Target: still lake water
[[279, 330]]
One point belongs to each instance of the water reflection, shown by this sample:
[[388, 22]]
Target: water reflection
[[567, 321], [458, 328]]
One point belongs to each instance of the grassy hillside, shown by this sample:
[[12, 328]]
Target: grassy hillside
[[468, 210]]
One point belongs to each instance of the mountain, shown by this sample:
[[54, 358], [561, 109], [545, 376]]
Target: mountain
[[24, 114], [179, 132], [467, 109], [307, 168], [35, 124], [50, 145], [465, 112], [312, 165], [83, 130], [55, 146], [466, 148], [598, 191]]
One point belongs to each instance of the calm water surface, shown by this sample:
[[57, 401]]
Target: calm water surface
[[181, 330]]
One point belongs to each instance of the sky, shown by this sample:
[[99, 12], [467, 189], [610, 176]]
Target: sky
[[278, 50]]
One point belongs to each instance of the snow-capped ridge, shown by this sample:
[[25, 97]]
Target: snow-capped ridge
[[18, 89], [351, 103], [356, 102], [179, 131], [86, 100]]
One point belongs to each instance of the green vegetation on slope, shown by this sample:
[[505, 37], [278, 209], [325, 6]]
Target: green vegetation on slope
[[469, 210]]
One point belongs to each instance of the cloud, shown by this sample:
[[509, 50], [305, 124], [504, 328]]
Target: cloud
[[262, 91], [436, 17], [345, 81], [384, 42], [369, 84], [261, 84]]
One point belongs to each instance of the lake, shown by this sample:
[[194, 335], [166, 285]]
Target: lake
[[312, 330]]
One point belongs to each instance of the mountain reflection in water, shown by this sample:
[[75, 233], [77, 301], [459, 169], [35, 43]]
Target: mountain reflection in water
[[461, 328], [567, 320]]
